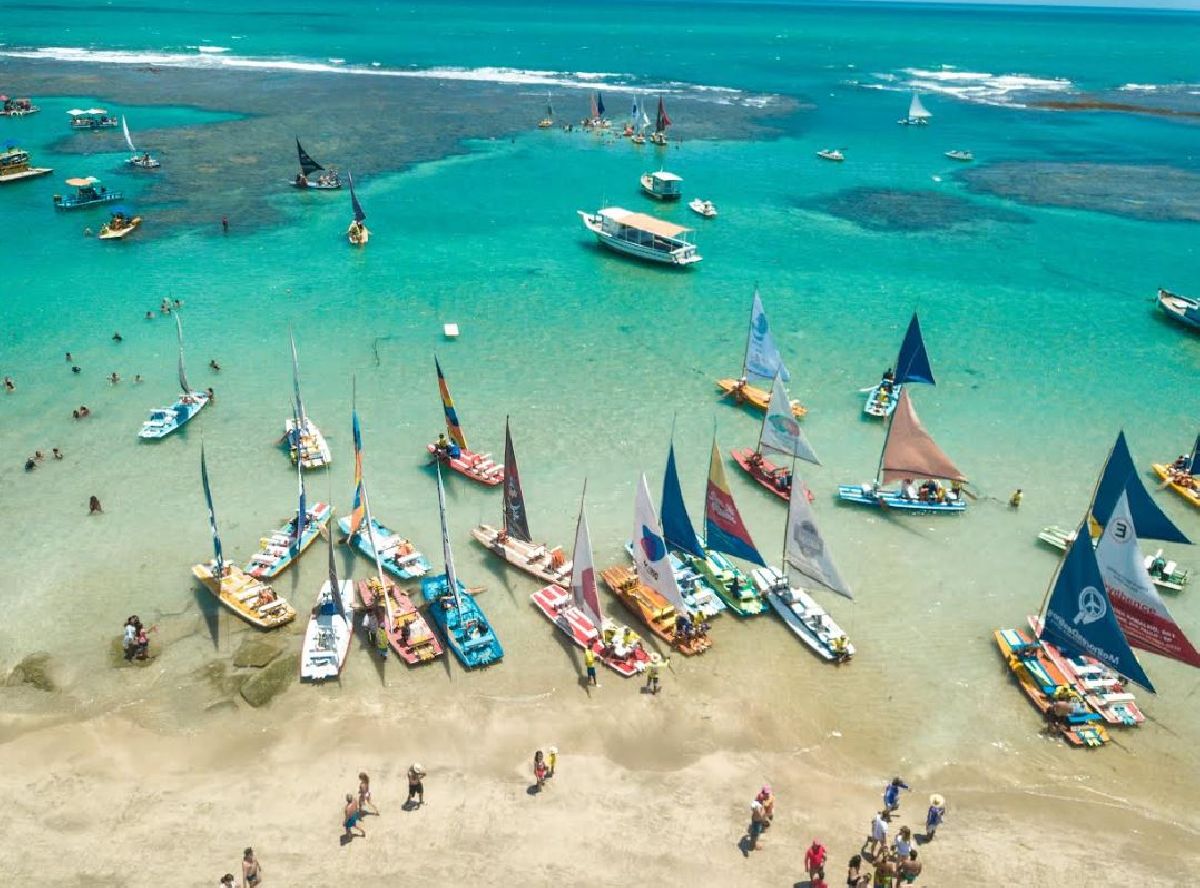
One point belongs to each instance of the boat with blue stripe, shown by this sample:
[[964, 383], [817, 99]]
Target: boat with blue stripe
[[164, 420], [397, 554], [283, 546], [88, 193]]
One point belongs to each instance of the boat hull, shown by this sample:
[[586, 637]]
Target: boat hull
[[476, 466], [327, 636], [879, 404], [556, 605], [138, 163], [1172, 580], [766, 473], [71, 203], [21, 175], [532, 558], [866, 495], [1094, 682], [698, 595], [166, 420], [107, 233], [465, 627], [754, 397], [734, 587], [313, 451], [806, 619], [655, 612], [421, 644], [1180, 309], [241, 593], [1189, 494], [682, 256], [398, 556], [278, 551]]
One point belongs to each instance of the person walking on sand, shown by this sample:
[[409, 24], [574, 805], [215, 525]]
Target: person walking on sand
[[539, 770], [767, 798], [251, 870], [814, 860], [552, 760], [589, 662], [910, 868], [877, 841], [758, 823], [935, 815], [364, 793], [416, 784], [891, 794], [353, 814]]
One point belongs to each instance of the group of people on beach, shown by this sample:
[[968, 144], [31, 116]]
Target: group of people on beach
[[135, 641]]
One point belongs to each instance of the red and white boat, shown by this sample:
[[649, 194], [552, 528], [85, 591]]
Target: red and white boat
[[1098, 685], [453, 452], [409, 634], [776, 479], [782, 434]]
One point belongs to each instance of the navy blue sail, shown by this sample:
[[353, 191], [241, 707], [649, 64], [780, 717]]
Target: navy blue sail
[[912, 365], [359, 215], [1194, 460], [1119, 475], [599, 105], [1080, 619], [219, 570], [308, 166], [676, 525]]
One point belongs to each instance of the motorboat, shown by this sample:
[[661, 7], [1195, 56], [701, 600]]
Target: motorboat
[[964, 156], [704, 208], [119, 227], [17, 107], [641, 236], [15, 166], [831, 154], [662, 185]]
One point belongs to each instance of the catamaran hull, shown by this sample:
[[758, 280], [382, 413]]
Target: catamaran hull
[[324, 661], [807, 620], [865, 495], [176, 416], [240, 593], [278, 552], [421, 645], [314, 450], [476, 466], [1094, 682], [464, 626], [533, 558], [556, 606], [406, 566]]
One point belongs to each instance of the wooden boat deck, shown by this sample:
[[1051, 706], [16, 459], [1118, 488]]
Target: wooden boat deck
[[548, 565], [655, 611], [1189, 494], [422, 644], [241, 593]]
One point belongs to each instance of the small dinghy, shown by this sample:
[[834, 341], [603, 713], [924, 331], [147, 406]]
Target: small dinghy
[[831, 154], [704, 208]]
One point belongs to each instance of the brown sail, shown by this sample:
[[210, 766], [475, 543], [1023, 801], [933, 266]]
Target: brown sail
[[910, 452]]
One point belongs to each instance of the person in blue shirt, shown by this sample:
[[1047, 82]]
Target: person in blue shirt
[[891, 795]]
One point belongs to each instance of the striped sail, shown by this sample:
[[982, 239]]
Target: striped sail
[[453, 429], [724, 529], [358, 509]]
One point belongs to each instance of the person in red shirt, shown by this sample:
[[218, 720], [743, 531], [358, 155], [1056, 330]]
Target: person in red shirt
[[814, 861]]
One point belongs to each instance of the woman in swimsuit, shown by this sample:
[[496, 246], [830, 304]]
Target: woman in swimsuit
[[364, 793], [251, 871]]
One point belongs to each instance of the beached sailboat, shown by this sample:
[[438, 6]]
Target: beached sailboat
[[396, 555], [762, 360], [327, 181], [725, 534], [578, 612], [912, 365], [513, 543], [453, 452], [661, 122], [164, 420], [330, 627], [1183, 475], [357, 233], [917, 114], [306, 444], [140, 159], [547, 121], [782, 434], [282, 547], [650, 591], [805, 551], [253, 601], [455, 611], [15, 166]]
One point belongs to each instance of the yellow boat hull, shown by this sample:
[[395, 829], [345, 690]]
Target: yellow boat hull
[[1190, 494]]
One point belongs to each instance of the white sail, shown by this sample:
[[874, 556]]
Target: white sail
[[780, 431], [128, 139], [650, 555], [762, 355], [805, 549], [916, 111], [583, 573], [183, 380], [296, 384]]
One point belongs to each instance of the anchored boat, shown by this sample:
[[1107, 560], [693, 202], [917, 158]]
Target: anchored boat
[[327, 181], [17, 107], [15, 166], [306, 444], [120, 226], [1094, 683], [87, 194], [141, 160], [1183, 475], [1183, 310], [453, 452], [1163, 573], [781, 433], [164, 420], [662, 185], [762, 359], [661, 122], [547, 121], [91, 119], [330, 627], [278, 551], [357, 233], [912, 364], [917, 115], [641, 236]]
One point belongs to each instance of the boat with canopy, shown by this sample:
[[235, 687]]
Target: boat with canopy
[[513, 541], [17, 107], [397, 555], [327, 181], [917, 114], [164, 420], [88, 193], [578, 614], [455, 610], [761, 360], [91, 119], [140, 159], [780, 433], [357, 233], [662, 185], [15, 165], [650, 591], [306, 444], [1183, 475], [279, 550], [452, 451], [641, 236], [547, 121], [248, 597], [661, 123], [330, 627], [912, 365]]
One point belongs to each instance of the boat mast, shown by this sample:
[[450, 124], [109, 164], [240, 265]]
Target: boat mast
[[301, 419], [447, 554], [749, 333], [383, 589]]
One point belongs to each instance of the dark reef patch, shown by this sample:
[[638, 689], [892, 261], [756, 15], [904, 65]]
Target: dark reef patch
[[903, 210]]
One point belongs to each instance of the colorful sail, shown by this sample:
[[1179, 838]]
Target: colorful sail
[[912, 364], [335, 586], [128, 138], [676, 524], [358, 510], [308, 166], [910, 452], [359, 215], [300, 417], [453, 429], [183, 380], [516, 522], [724, 529], [1119, 477], [805, 549], [583, 573], [1080, 618], [762, 357], [780, 431], [650, 555], [599, 105], [1140, 610], [447, 555], [219, 558], [661, 120]]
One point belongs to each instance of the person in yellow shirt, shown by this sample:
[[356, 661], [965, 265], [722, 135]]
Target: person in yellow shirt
[[589, 661]]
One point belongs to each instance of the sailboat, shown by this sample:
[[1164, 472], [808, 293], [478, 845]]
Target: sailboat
[[1163, 573], [633, 119], [164, 420], [805, 551], [661, 122], [578, 612], [762, 360], [917, 115], [725, 534], [327, 181], [283, 546], [513, 543], [547, 121], [395, 554], [781, 433], [250, 599], [912, 365], [1183, 475], [454, 452], [456, 612], [330, 627], [357, 233], [142, 159], [306, 444], [650, 590], [643, 123]]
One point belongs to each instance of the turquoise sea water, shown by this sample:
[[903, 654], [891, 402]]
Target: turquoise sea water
[[1039, 321]]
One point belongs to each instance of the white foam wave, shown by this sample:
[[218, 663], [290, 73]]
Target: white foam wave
[[982, 87], [1137, 87], [208, 48]]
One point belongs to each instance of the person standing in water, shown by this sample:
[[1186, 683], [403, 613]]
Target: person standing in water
[[94, 506]]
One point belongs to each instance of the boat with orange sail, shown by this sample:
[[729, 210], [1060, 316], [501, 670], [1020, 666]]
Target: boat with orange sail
[[453, 452], [762, 360]]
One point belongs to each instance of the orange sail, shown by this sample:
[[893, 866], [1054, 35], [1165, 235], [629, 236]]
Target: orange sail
[[910, 452]]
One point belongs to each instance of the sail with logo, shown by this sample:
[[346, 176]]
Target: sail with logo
[[1119, 478], [1139, 608], [1080, 619], [780, 431], [650, 556], [805, 550], [516, 522], [762, 355], [724, 529]]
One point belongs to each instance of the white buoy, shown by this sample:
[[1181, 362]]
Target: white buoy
[[451, 331]]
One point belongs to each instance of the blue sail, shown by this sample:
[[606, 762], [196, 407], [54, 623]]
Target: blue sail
[[1120, 475], [912, 365], [676, 525], [212, 517], [1194, 461], [762, 356], [359, 215], [1080, 619], [599, 105]]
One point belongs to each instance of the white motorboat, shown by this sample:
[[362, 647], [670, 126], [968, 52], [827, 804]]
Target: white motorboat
[[831, 154], [704, 207], [964, 156], [327, 637], [642, 236]]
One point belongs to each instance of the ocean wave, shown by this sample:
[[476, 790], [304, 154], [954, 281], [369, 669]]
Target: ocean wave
[[1138, 87], [982, 87], [209, 48]]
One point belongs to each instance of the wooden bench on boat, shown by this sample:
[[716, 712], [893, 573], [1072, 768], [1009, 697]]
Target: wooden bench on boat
[[656, 612]]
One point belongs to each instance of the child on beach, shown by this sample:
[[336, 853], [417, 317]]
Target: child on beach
[[935, 815], [589, 662], [364, 793], [227, 880], [539, 770], [855, 877]]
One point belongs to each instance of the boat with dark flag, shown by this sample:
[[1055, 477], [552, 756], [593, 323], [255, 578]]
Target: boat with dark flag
[[912, 365], [661, 122], [327, 181], [164, 420], [513, 542], [357, 232], [453, 451]]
